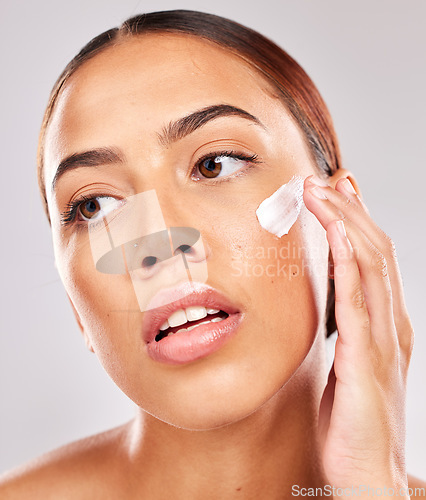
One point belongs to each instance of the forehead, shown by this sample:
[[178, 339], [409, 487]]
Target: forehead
[[159, 63], [143, 83]]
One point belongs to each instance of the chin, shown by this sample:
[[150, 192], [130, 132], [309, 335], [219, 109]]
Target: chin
[[205, 418], [221, 403]]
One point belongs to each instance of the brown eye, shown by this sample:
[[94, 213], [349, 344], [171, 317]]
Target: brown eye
[[211, 167], [90, 208], [98, 207], [224, 164]]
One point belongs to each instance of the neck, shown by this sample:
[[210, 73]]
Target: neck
[[261, 456]]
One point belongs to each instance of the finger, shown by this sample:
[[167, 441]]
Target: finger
[[349, 206], [374, 278], [352, 318], [326, 405], [346, 198]]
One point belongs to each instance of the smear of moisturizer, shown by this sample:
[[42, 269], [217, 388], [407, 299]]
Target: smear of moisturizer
[[280, 211]]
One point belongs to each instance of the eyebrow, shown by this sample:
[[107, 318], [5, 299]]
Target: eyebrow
[[173, 132], [92, 158], [182, 127]]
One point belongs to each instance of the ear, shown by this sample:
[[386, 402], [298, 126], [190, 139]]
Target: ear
[[342, 173], [80, 325]]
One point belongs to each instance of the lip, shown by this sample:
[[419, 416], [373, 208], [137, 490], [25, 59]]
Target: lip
[[201, 341]]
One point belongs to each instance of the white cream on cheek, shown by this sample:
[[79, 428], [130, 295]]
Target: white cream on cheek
[[279, 212]]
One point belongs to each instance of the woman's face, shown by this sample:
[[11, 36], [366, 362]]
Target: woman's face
[[123, 99]]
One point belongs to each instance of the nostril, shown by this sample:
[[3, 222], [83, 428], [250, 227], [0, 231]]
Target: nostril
[[183, 249], [149, 261]]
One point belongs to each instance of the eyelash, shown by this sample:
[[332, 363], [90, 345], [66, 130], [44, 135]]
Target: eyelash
[[68, 216], [253, 159]]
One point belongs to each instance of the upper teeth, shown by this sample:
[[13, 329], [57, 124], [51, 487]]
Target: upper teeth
[[182, 316]]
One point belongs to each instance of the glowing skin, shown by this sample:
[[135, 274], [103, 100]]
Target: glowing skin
[[266, 381], [279, 212], [123, 99]]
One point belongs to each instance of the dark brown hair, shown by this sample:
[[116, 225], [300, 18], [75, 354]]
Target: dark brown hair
[[293, 86]]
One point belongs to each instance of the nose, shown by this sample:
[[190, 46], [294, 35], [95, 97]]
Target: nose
[[137, 238], [152, 253], [164, 260], [137, 241]]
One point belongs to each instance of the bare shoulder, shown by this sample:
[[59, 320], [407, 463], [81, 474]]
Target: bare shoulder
[[83, 469], [417, 486]]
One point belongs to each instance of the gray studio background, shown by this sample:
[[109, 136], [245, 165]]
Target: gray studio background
[[367, 58]]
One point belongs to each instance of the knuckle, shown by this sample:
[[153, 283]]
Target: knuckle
[[358, 298], [366, 326], [348, 203], [376, 358], [378, 263], [355, 202], [390, 246]]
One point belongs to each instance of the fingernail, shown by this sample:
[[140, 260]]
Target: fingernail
[[317, 181], [341, 228], [318, 193], [348, 186]]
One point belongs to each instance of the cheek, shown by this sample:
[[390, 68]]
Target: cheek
[[282, 286], [111, 318], [100, 300], [277, 284], [285, 280]]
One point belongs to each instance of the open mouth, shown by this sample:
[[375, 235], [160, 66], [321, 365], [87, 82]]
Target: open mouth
[[188, 322], [185, 320]]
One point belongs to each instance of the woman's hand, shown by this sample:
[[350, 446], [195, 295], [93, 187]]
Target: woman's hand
[[362, 413]]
